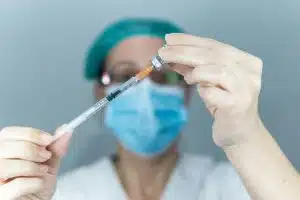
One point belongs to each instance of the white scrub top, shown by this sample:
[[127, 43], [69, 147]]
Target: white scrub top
[[194, 178]]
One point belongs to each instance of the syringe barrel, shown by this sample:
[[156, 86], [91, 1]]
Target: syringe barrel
[[87, 114]]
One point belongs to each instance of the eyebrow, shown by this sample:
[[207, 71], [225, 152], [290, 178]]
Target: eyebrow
[[130, 63]]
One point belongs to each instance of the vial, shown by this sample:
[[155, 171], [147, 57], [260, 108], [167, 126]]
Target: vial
[[157, 63]]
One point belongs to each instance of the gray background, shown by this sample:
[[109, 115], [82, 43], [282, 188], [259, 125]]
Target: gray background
[[42, 44]]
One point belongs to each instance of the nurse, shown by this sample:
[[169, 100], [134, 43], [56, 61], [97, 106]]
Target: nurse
[[147, 122], [147, 164]]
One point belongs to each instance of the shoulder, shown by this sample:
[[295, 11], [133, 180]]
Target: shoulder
[[86, 171], [224, 181], [196, 163], [194, 168], [70, 185], [224, 171], [214, 180]]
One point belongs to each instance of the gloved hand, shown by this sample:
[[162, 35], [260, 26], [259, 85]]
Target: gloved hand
[[228, 81], [29, 163]]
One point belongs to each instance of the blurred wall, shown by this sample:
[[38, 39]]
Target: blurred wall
[[42, 44]]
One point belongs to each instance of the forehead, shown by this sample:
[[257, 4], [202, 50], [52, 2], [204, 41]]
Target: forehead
[[138, 50]]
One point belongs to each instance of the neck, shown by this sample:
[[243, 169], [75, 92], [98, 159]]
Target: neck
[[142, 177]]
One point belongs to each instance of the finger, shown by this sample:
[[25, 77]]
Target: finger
[[26, 134], [21, 187], [190, 40], [2, 181], [204, 74], [63, 129], [58, 148], [191, 56], [215, 97], [194, 56], [181, 69], [211, 75], [252, 64], [241, 57], [16, 168], [24, 151]]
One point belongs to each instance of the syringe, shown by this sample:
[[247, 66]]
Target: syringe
[[157, 64]]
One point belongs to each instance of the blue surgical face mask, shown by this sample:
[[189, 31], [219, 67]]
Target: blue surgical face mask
[[147, 118]]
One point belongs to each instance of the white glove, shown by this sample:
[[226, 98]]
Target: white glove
[[228, 80], [28, 163]]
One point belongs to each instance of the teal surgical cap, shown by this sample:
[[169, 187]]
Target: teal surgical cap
[[119, 31]]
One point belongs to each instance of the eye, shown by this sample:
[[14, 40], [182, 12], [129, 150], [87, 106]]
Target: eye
[[128, 76], [122, 77]]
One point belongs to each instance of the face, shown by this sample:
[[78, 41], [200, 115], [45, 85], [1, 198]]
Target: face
[[128, 58], [158, 114]]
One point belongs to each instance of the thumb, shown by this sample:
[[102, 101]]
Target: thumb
[[58, 148]]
